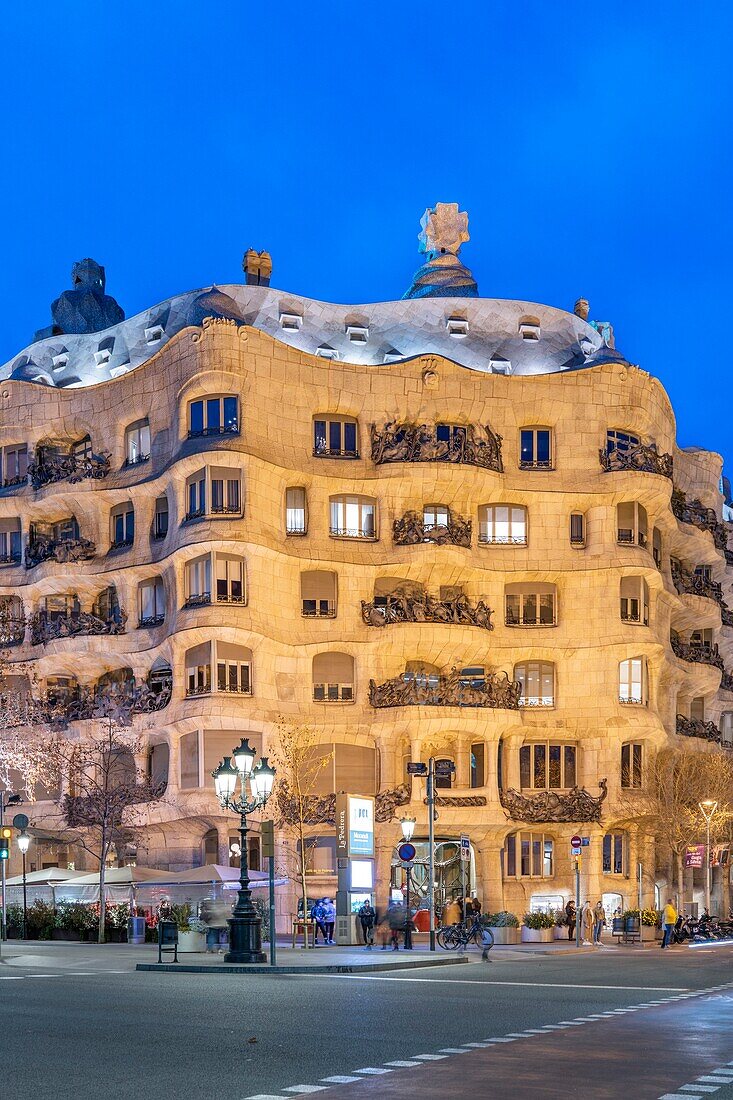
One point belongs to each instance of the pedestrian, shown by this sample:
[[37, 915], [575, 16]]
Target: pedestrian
[[214, 914], [318, 915], [599, 914], [451, 913], [571, 917], [475, 907], [587, 921], [669, 919], [329, 919], [367, 918], [383, 929], [487, 942], [396, 917]]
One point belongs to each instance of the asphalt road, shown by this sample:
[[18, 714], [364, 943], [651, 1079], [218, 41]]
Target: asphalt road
[[80, 1022]]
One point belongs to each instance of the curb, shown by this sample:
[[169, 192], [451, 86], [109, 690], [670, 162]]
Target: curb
[[264, 968]]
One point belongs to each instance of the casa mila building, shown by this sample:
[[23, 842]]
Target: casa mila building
[[446, 526]]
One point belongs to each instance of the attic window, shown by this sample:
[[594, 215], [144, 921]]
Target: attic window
[[291, 322], [529, 329], [392, 356], [358, 334], [153, 334], [325, 351], [457, 327], [59, 361], [500, 365]]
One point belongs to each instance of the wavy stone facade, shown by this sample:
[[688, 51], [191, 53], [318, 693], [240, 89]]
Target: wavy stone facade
[[287, 643]]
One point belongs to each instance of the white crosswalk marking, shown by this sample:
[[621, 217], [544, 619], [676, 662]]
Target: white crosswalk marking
[[340, 1079]]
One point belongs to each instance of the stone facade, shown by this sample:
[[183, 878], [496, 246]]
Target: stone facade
[[310, 654]]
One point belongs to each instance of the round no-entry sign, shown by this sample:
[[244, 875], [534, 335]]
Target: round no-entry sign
[[407, 852], [575, 842]]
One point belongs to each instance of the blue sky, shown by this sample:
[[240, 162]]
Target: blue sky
[[589, 142]]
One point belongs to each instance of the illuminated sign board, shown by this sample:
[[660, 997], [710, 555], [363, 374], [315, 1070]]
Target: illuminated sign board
[[354, 825]]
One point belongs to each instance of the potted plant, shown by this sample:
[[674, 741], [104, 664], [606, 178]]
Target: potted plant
[[71, 921], [538, 928], [504, 927], [116, 918], [560, 931], [642, 921], [191, 932]]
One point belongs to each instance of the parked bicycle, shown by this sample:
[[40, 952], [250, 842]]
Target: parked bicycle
[[454, 937]]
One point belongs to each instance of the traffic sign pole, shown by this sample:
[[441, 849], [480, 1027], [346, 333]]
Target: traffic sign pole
[[578, 914]]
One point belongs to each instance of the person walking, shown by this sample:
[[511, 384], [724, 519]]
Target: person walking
[[599, 914], [669, 919], [451, 913], [475, 910], [587, 920], [571, 918], [367, 917], [396, 916], [329, 920], [318, 915]]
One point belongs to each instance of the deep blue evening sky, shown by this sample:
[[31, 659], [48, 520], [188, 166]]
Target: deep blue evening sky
[[589, 142]]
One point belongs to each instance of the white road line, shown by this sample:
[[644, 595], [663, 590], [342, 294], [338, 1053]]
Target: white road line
[[265, 1096], [699, 1088], [402, 1064], [453, 1050], [680, 1096], [430, 1057], [532, 985], [341, 1079], [306, 1088], [372, 1070]]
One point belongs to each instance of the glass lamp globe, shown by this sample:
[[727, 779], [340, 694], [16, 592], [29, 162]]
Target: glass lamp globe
[[407, 825], [225, 779], [244, 757], [261, 780], [24, 842]]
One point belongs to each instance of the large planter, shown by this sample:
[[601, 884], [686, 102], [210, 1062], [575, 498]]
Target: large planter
[[537, 935], [648, 933], [191, 941], [505, 935], [560, 932], [66, 935]]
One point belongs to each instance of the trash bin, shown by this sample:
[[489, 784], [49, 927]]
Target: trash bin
[[136, 930]]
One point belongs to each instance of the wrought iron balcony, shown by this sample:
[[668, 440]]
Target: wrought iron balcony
[[40, 548], [198, 689], [10, 559], [122, 544], [411, 530], [221, 429], [577, 804], [695, 584], [46, 469], [121, 701], [226, 510], [643, 458], [195, 513], [138, 460], [695, 727], [12, 482], [726, 614], [151, 620], [322, 450], [12, 629], [407, 441], [696, 652], [628, 537], [321, 609], [695, 513], [367, 533], [406, 605], [47, 629], [198, 599], [726, 681], [431, 690]]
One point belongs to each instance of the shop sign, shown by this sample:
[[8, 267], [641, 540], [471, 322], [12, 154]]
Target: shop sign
[[695, 855]]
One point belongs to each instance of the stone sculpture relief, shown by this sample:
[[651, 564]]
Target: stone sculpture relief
[[429, 690], [412, 605], [406, 441], [576, 805], [644, 457], [411, 530]]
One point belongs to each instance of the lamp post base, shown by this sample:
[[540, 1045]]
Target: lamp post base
[[245, 941]]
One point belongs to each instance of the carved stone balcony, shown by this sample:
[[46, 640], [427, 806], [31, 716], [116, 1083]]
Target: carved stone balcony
[[118, 701], [644, 458], [411, 530], [696, 652], [45, 629], [41, 548], [695, 727], [431, 690], [576, 804], [406, 441], [695, 512], [694, 584], [49, 468], [408, 606]]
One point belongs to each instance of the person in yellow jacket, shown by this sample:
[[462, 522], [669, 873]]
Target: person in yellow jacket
[[669, 919]]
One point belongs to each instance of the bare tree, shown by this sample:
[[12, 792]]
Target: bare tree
[[299, 762]]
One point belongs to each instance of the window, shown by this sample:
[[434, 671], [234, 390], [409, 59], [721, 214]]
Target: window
[[345, 768], [59, 608], [478, 764], [631, 760], [726, 728], [10, 541], [196, 493], [61, 690], [198, 581], [123, 525], [547, 766], [537, 680], [529, 328], [151, 602], [631, 523], [320, 855], [457, 327], [454, 436], [160, 519], [577, 529], [189, 760], [435, 516], [296, 520], [213, 416], [421, 673], [353, 517], [528, 855], [445, 769], [697, 708], [198, 669], [614, 854], [335, 437], [230, 578], [333, 678], [137, 442], [620, 441], [158, 763], [225, 492], [503, 524], [357, 334], [535, 449], [632, 686], [657, 547], [634, 600], [15, 464], [318, 594], [233, 669], [530, 603]]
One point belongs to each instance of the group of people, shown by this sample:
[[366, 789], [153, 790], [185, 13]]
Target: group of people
[[592, 922], [459, 909], [323, 915]]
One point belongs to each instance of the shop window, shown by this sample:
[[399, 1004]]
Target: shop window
[[530, 603], [296, 517], [631, 523], [529, 855], [632, 681], [151, 602], [631, 765], [122, 522], [634, 600], [547, 766], [318, 589], [333, 678], [537, 681], [353, 517], [502, 524], [160, 518], [535, 449], [478, 765], [614, 854], [137, 442], [335, 437], [216, 415], [15, 464]]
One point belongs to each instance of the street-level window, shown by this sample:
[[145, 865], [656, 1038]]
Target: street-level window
[[537, 682], [535, 449], [296, 522], [123, 525], [530, 604], [614, 851], [632, 525], [216, 415], [15, 464], [631, 762], [335, 437], [546, 765], [137, 442], [632, 685], [528, 855], [634, 600], [502, 524], [353, 517]]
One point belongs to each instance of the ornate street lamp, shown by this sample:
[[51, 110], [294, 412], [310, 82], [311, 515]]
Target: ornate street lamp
[[245, 926], [407, 824], [24, 843], [708, 807]]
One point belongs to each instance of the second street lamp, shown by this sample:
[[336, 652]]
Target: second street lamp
[[245, 926], [708, 808], [407, 824], [23, 843]]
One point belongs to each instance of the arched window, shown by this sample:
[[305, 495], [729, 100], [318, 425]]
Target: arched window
[[160, 519], [122, 525], [632, 525], [215, 415], [137, 442], [634, 600], [632, 681], [478, 764], [502, 524], [537, 680], [529, 855], [10, 541], [333, 678]]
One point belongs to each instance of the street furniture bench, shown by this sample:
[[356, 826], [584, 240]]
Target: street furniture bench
[[626, 929]]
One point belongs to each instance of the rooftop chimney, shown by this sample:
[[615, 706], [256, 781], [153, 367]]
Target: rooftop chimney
[[257, 267]]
